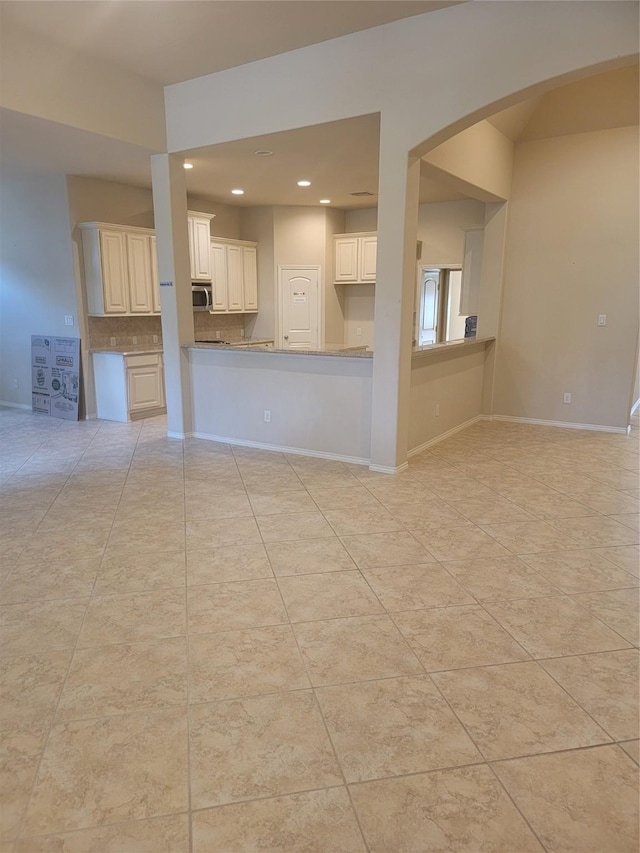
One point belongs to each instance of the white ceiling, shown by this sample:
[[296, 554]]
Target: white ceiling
[[169, 41]]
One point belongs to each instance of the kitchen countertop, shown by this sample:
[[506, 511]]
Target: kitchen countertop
[[447, 346], [328, 349], [138, 349]]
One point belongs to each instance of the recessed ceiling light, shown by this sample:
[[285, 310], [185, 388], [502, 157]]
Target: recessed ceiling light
[[263, 152], [188, 165], [325, 201], [304, 183], [237, 192]]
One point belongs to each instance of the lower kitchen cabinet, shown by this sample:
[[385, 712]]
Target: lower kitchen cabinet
[[128, 386]]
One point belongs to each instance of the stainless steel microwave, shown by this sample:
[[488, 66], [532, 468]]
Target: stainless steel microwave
[[201, 294]]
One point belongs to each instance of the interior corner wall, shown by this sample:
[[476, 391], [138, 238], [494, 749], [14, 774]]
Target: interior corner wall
[[571, 255], [257, 224], [37, 279], [333, 296]]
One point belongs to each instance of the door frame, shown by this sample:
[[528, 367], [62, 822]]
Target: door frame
[[441, 309], [279, 331]]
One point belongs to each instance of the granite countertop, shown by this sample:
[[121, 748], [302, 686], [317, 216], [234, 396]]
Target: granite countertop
[[446, 346], [131, 349], [328, 349]]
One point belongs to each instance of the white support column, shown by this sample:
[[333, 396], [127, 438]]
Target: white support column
[[396, 270], [170, 212]]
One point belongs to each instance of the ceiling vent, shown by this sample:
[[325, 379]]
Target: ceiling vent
[[362, 194]]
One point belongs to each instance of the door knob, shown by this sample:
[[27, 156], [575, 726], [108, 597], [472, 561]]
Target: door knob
[[286, 337]]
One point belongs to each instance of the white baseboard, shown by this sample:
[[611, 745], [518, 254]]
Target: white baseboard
[[297, 451], [179, 435], [10, 405], [425, 445], [561, 424], [383, 469]]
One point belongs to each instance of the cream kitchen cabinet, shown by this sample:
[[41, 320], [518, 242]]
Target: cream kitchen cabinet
[[471, 270], [120, 269], [129, 386], [355, 258], [234, 282], [199, 245]]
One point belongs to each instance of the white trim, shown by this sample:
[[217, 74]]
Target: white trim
[[383, 469], [561, 424], [635, 406], [11, 405], [443, 435], [179, 435], [298, 451], [319, 299]]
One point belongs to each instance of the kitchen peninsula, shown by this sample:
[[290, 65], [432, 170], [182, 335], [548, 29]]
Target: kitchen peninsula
[[318, 402]]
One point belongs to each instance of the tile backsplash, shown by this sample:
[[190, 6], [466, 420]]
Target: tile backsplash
[[125, 329]]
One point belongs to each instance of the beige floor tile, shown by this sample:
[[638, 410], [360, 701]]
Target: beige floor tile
[[629, 519], [328, 596], [551, 627], [282, 528], [259, 747], [454, 637], [30, 686], [460, 543], [606, 685], [570, 801], [517, 709], [487, 510], [230, 505], [110, 770], [312, 822], [497, 578], [597, 532], [108, 680], [244, 663], [229, 606], [617, 608], [282, 502], [421, 514], [356, 649], [327, 479], [266, 484], [221, 533], [346, 498], [314, 555], [40, 626], [459, 489], [120, 573], [551, 506], [399, 492], [610, 502], [530, 537], [463, 810], [377, 550], [170, 834], [416, 587], [356, 520], [21, 746], [72, 579], [230, 563], [626, 557], [134, 618], [579, 571], [632, 748], [393, 727]]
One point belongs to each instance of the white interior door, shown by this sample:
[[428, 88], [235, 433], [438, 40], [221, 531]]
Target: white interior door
[[299, 314], [428, 315]]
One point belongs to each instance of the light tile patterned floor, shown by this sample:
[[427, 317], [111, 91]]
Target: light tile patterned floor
[[224, 650]]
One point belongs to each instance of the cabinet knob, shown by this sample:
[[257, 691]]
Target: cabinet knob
[[286, 337]]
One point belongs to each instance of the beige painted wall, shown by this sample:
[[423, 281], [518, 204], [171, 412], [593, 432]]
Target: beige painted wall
[[454, 383], [257, 225], [571, 254]]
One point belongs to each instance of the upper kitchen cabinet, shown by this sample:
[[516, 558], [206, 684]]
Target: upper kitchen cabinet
[[355, 258], [120, 269], [471, 270], [199, 245], [234, 282]]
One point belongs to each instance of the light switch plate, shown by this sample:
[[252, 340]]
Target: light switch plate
[[602, 319], [68, 319]]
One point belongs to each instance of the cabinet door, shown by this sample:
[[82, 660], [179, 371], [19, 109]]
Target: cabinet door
[[234, 278], [155, 278], [201, 237], [192, 250], [139, 269], [471, 271], [346, 259], [219, 276], [144, 386], [113, 255], [250, 275], [368, 247]]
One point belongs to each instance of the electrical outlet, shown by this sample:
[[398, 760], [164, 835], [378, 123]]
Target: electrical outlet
[[566, 397], [134, 340], [437, 410], [358, 331], [16, 384], [112, 341], [267, 416], [68, 319], [602, 319], [155, 339], [218, 334]]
